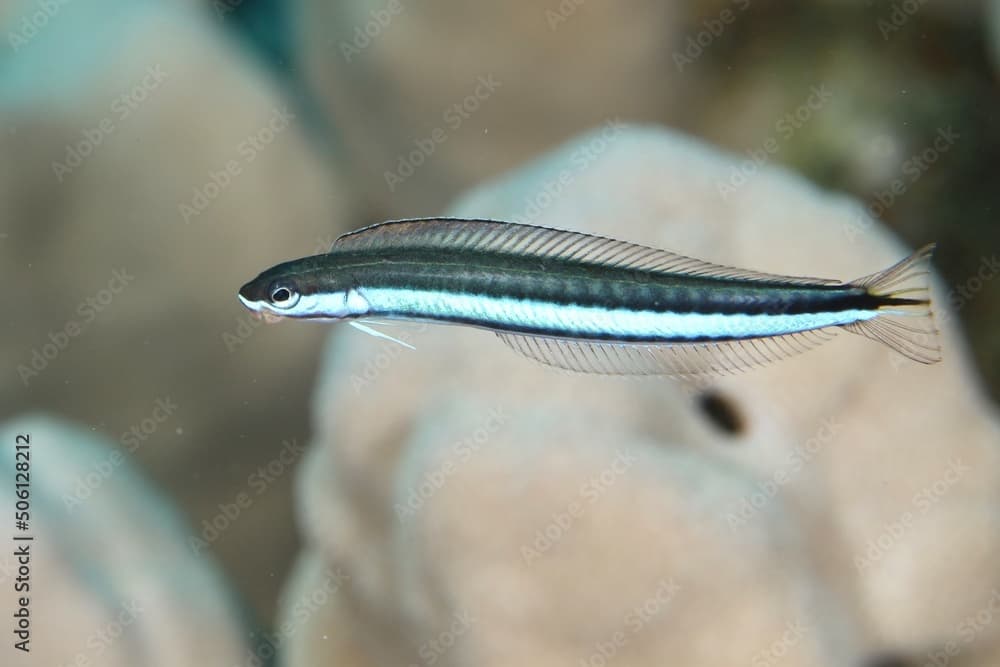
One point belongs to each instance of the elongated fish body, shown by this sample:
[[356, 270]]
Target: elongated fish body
[[594, 304]]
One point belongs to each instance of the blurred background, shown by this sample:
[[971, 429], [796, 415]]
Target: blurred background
[[155, 154]]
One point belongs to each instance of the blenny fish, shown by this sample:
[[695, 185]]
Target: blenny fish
[[593, 304]]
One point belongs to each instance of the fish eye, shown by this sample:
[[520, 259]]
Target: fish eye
[[283, 297]]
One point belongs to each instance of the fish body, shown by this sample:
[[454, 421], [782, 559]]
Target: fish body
[[590, 303]]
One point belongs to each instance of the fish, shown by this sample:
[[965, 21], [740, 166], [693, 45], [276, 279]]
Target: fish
[[594, 304]]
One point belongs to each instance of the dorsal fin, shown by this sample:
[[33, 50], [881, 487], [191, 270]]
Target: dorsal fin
[[461, 234]]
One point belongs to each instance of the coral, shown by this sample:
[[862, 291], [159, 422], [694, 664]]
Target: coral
[[110, 578], [431, 98], [147, 168], [485, 510]]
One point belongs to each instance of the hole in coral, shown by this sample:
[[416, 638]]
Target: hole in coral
[[722, 412]]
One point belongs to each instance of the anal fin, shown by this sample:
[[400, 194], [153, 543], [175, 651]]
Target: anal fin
[[673, 359], [914, 337]]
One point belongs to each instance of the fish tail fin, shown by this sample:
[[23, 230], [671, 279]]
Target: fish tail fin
[[905, 320]]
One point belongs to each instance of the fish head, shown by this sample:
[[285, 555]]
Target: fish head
[[302, 289]]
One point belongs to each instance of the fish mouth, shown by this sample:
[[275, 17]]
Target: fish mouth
[[251, 305], [246, 293], [257, 309]]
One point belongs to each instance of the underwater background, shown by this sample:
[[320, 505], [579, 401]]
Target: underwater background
[[209, 488]]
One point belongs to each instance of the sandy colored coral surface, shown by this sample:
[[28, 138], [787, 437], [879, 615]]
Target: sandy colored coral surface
[[153, 603], [419, 123], [487, 510], [152, 171]]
